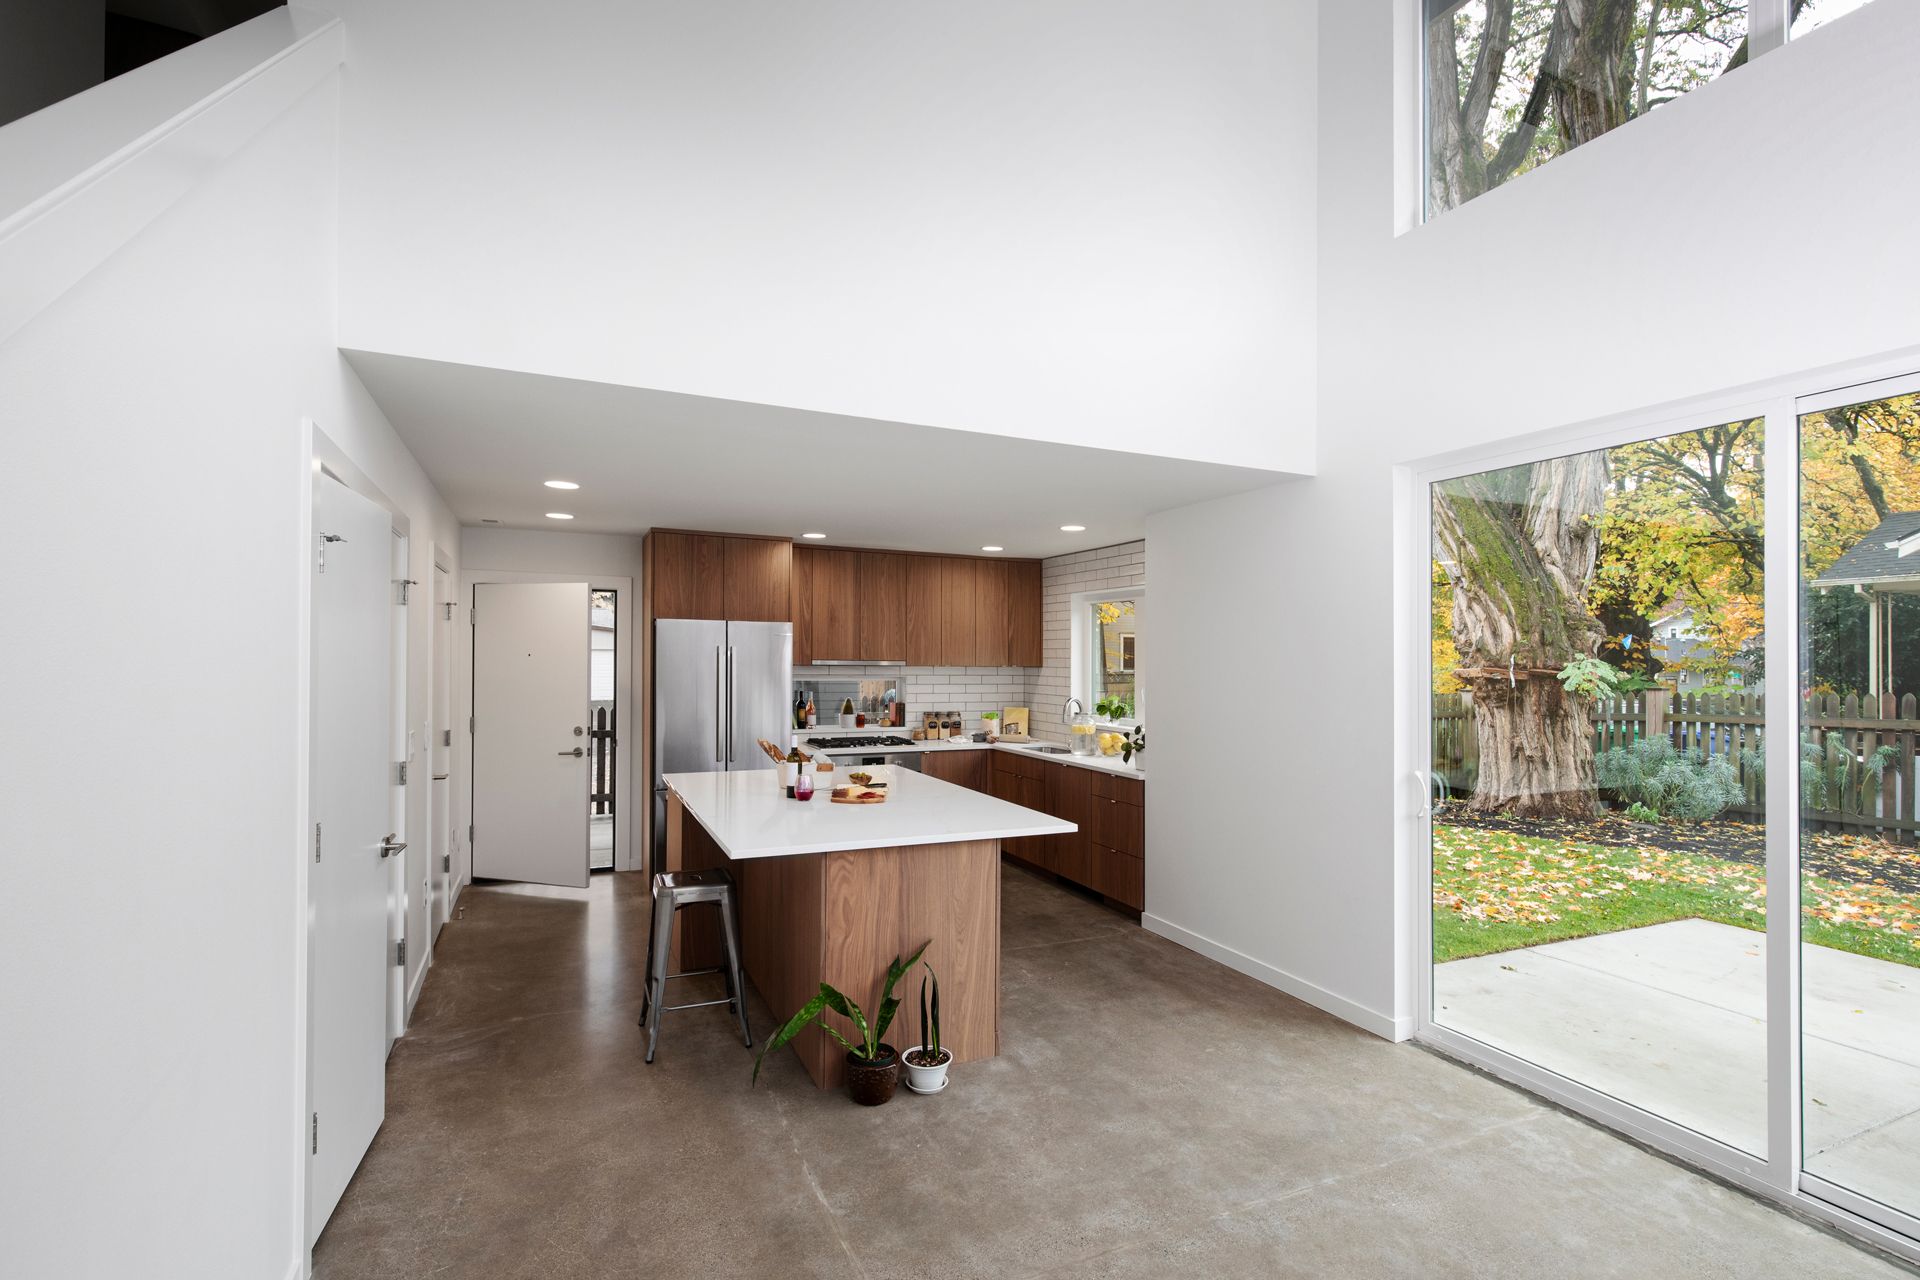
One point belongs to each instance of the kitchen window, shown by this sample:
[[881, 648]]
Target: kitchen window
[[1106, 632], [1512, 84]]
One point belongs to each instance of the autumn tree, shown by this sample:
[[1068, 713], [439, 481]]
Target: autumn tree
[[1512, 83], [1519, 548]]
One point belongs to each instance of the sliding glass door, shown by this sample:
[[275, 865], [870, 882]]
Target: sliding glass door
[[1599, 843], [1859, 863], [1669, 862]]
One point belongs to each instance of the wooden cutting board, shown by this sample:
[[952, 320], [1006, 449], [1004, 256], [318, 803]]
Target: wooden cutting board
[[861, 797]]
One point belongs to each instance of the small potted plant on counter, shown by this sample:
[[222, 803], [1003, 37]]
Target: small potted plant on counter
[[927, 1062], [846, 713], [1132, 744], [990, 721], [873, 1067]]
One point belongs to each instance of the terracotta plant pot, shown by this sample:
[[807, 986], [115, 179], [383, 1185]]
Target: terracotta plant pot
[[871, 1083]]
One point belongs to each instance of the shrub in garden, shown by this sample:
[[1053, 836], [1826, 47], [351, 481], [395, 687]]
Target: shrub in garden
[[1685, 786]]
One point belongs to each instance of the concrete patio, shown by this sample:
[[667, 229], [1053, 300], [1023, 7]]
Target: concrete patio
[[1672, 1018]]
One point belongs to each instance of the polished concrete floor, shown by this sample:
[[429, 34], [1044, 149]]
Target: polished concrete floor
[[1153, 1114]]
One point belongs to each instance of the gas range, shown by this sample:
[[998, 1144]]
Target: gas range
[[859, 744]]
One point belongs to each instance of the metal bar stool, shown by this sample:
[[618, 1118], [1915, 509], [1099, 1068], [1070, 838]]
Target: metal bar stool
[[671, 891]]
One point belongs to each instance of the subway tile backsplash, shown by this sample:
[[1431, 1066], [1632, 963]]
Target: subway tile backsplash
[[971, 690]]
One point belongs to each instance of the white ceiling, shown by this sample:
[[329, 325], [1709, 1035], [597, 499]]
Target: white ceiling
[[488, 438]]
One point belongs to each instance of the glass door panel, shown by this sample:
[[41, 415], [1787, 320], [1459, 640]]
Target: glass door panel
[[1599, 853], [1859, 813]]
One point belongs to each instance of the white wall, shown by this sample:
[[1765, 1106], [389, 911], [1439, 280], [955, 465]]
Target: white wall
[[524, 555], [1777, 205], [1082, 221], [154, 477]]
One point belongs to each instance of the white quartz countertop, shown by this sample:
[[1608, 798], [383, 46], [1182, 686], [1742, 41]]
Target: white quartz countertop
[[1099, 763], [749, 816]]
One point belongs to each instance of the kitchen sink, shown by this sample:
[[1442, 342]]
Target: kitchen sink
[[1049, 749]]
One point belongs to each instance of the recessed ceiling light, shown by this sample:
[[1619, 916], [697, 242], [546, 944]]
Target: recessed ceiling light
[[1073, 528], [561, 484], [813, 535], [993, 548], [558, 515], [488, 520]]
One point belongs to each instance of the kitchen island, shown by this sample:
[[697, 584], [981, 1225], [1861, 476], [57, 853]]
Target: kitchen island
[[832, 893]]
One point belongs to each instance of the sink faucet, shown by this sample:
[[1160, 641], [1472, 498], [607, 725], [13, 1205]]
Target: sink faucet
[[1072, 709]]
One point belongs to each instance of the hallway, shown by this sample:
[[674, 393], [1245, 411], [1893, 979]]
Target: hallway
[[1152, 1113]]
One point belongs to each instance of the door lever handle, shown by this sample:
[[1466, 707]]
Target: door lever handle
[[577, 751], [390, 847]]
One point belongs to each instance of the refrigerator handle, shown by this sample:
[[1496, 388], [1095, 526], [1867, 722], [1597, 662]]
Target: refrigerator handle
[[730, 755], [719, 706]]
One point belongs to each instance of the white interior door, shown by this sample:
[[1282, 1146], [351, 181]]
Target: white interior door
[[440, 864], [400, 745], [532, 647], [348, 881]]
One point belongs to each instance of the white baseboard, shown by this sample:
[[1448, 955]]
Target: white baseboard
[[301, 1266], [1386, 1026], [418, 985]]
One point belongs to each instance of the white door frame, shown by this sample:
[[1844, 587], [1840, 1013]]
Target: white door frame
[[316, 452], [1777, 1175], [400, 756], [628, 648], [440, 685]]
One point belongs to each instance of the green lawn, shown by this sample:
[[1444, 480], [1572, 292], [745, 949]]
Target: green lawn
[[1498, 891]]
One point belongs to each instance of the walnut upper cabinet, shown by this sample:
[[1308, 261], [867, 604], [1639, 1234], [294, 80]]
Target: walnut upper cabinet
[[710, 575], [989, 614], [883, 606], [926, 611], [959, 610], [689, 575], [832, 608], [1024, 640]]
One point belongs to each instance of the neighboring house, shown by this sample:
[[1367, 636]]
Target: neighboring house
[[1881, 564], [1689, 662]]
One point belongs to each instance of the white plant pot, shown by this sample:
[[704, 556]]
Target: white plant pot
[[927, 1079], [846, 720]]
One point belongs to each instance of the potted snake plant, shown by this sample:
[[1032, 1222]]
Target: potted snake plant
[[927, 1062], [873, 1066]]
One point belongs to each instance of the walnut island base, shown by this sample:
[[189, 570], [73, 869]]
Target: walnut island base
[[814, 910]]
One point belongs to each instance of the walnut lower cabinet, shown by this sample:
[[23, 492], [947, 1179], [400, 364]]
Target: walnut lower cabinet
[[1108, 852], [962, 768]]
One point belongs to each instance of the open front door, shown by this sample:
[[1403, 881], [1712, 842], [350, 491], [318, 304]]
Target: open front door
[[532, 648]]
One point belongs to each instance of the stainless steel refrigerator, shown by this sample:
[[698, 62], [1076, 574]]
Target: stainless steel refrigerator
[[717, 686]]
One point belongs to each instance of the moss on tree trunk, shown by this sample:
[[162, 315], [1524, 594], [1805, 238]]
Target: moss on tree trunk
[[1519, 546]]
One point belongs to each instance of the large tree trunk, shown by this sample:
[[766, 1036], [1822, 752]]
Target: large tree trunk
[[1520, 547]]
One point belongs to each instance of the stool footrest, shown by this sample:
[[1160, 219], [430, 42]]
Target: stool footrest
[[694, 973], [699, 1004]]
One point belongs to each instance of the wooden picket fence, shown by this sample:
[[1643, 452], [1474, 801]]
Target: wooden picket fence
[[1732, 726]]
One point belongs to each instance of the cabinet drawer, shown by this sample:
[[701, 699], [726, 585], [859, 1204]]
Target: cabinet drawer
[[1120, 826], [1117, 875], [1126, 790]]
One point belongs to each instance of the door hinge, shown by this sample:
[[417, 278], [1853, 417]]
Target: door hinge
[[400, 774], [316, 1133], [473, 616], [316, 842], [401, 953], [469, 835], [446, 864], [446, 737], [469, 726]]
